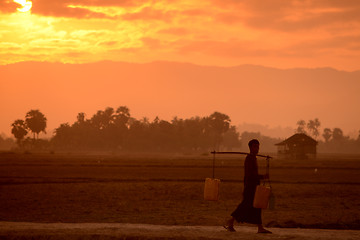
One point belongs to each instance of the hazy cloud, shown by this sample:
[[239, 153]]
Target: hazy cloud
[[63, 9], [175, 31], [195, 12], [231, 48], [291, 15], [329, 45], [237, 31], [108, 43], [80, 8], [8, 6], [148, 13], [229, 18], [151, 43], [99, 3]]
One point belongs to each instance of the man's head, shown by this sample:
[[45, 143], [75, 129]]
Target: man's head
[[254, 146]]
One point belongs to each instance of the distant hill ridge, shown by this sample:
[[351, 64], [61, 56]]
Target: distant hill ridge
[[172, 63]]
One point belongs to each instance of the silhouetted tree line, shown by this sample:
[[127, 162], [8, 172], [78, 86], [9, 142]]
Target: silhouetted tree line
[[111, 129], [334, 139]]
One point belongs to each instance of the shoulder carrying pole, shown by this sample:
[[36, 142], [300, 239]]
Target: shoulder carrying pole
[[243, 153]]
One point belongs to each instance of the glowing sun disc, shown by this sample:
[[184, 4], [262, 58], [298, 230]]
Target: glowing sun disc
[[26, 5]]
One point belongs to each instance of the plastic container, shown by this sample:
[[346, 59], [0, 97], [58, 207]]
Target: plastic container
[[211, 189], [262, 196]]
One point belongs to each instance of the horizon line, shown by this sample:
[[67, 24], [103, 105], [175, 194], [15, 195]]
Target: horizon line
[[185, 63]]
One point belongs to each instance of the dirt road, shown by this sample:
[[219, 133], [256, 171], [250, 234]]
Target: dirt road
[[69, 231]]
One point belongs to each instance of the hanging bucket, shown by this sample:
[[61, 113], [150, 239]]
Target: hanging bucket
[[262, 197], [211, 189]]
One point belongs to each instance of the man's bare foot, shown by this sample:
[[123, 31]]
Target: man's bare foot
[[229, 225], [229, 228], [263, 231]]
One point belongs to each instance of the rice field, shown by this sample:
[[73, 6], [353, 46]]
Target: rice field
[[168, 189]]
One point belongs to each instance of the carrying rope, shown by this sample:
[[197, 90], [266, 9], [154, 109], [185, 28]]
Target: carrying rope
[[268, 170]]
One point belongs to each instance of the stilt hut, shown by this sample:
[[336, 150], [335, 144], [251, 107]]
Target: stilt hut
[[298, 146]]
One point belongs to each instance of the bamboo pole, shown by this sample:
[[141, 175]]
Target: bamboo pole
[[244, 153]]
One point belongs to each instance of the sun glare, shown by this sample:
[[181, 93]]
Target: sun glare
[[25, 5]]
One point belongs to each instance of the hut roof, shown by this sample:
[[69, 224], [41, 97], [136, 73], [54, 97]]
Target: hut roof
[[298, 138]]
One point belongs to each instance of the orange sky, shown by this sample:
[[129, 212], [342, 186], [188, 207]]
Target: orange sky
[[274, 33]]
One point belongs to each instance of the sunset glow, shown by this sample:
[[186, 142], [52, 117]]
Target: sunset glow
[[283, 34], [26, 5]]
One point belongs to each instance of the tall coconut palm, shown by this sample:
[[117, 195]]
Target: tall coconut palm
[[36, 122]]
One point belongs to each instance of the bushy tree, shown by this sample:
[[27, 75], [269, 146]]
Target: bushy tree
[[327, 133], [64, 136], [337, 134], [231, 139], [218, 124], [313, 127], [301, 126]]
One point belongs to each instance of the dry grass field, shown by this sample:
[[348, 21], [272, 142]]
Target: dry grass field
[[168, 189]]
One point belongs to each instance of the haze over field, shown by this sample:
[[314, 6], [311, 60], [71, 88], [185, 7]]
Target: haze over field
[[246, 93], [182, 58]]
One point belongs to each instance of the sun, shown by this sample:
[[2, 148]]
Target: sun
[[25, 5]]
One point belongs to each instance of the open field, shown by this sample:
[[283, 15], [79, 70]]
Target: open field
[[168, 190]]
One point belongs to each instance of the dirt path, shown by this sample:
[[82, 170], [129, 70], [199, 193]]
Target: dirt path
[[69, 231]]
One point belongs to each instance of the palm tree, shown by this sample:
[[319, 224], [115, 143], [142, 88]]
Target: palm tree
[[36, 122], [19, 130]]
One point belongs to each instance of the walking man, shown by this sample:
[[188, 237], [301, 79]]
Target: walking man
[[245, 212]]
